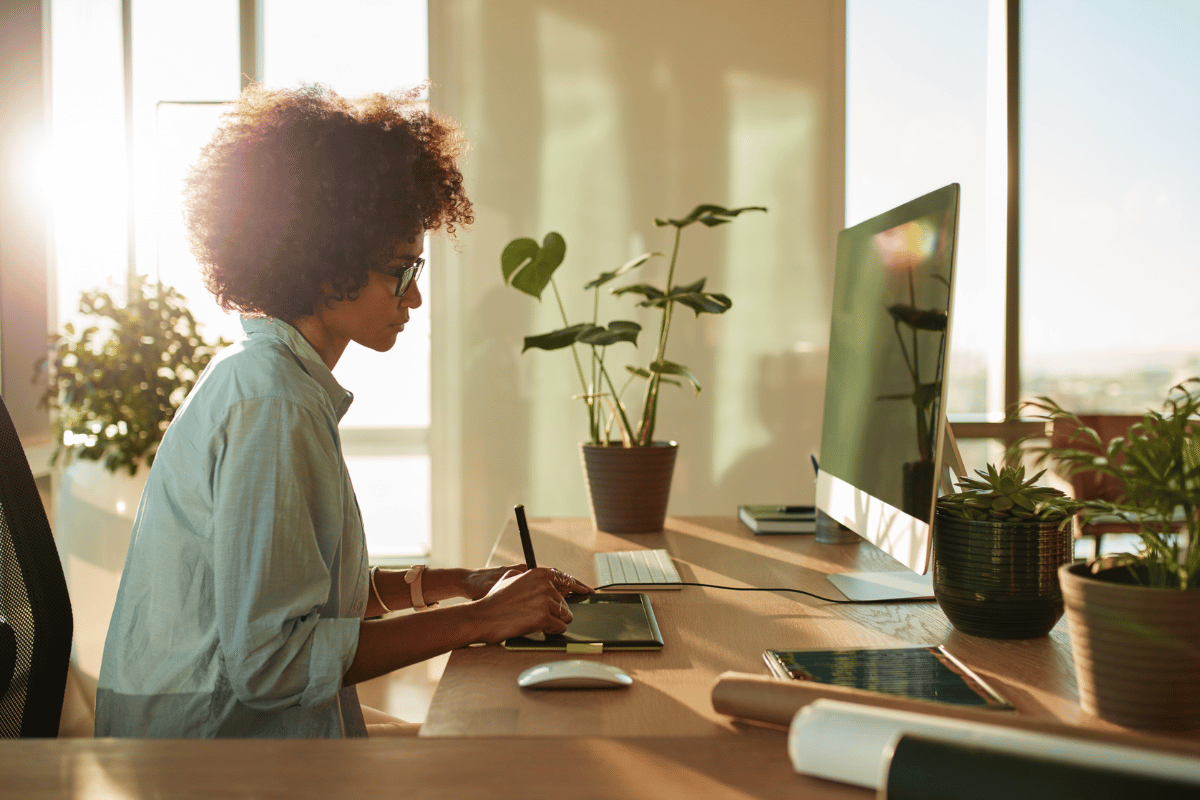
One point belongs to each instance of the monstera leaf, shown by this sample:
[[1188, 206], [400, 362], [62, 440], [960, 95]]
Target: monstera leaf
[[529, 267], [707, 214], [585, 333], [693, 296]]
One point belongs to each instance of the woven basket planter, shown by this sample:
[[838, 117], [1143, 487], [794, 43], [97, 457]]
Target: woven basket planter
[[629, 486], [1136, 650]]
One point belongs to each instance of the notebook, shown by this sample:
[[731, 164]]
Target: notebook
[[608, 621]]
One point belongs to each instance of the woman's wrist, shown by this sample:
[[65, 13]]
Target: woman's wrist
[[444, 584]]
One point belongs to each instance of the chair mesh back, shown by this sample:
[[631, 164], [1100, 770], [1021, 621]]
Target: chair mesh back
[[33, 598]]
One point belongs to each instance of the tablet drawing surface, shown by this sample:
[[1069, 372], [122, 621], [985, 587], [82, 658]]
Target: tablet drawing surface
[[602, 622]]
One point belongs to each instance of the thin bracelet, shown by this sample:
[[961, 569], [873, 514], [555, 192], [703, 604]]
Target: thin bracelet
[[375, 589]]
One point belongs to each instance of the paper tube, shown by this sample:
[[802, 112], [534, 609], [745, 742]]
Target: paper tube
[[853, 743], [768, 699], [764, 698], [922, 768]]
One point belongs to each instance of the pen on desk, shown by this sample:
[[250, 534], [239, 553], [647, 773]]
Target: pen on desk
[[526, 542], [816, 466]]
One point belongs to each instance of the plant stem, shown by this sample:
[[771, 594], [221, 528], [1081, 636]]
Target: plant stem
[[650, 405], [578, 365], [595, 407], [626, 428]]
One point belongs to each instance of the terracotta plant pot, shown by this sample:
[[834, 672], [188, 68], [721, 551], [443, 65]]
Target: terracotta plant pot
[[629, 486], [999, 580], [1136, 650]]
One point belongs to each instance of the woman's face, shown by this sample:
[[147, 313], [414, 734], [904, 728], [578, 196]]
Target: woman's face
[[375, 317]]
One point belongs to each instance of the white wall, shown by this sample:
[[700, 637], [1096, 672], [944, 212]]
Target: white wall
[[591, 118]]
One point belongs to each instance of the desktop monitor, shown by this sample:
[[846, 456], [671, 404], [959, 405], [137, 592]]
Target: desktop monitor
[[883, 427]]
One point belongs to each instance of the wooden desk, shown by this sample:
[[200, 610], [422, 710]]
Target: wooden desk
[[709, 631], [453, 769], [659, 738]]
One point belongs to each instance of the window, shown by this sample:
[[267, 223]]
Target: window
[[1098, 117], [185, 58], [1108, 201], [918, 118]]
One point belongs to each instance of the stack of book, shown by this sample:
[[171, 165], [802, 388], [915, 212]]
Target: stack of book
[[779, 519]]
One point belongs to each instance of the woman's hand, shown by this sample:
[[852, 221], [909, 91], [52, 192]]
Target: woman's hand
[[526, 601], [478, 583]]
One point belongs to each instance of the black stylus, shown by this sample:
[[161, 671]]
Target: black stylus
[[526, 542]]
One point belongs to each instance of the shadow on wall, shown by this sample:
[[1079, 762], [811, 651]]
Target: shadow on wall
[[492, 381], [790, 391], [590, 118]]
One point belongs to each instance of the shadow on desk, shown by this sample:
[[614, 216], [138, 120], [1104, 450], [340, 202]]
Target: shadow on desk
[[707, 631], [765, 561], [586, 713], [501, 769]]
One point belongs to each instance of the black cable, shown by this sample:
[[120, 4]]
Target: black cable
[[743, 589]]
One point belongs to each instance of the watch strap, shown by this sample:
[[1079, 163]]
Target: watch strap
[[413, 579]]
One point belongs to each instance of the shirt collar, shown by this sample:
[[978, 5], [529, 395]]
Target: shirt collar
[[306, 355]]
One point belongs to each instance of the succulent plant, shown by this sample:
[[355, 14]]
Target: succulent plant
[[1007, 495]]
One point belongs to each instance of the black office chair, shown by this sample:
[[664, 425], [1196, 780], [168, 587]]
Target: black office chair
[[35, 611]]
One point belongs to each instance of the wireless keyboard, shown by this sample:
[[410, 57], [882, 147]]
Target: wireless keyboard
[[645, 570]]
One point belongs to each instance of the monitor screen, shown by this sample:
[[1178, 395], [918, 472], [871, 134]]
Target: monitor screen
[[884, 422]]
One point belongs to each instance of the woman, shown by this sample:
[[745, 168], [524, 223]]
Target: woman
[[246, 604]]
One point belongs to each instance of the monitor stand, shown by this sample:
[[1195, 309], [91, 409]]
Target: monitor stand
[[881, 587]]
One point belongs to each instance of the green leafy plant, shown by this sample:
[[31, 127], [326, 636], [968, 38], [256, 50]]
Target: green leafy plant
[[529, 268], [1006, 495], [117, 384], [1158, 463]]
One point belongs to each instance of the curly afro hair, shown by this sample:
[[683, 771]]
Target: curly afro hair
[[301, 191]]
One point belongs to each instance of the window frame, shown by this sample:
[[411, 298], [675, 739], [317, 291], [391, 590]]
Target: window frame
[[1009, 430], [367, 441]]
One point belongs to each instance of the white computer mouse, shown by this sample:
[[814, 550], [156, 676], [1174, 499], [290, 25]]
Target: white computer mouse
[[574, 674]]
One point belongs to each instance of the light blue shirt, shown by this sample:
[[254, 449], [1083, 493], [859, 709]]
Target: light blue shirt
[[246, 577]]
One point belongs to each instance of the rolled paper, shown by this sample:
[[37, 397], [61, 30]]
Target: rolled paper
[[853, 743], [927, 768], [767, 699]]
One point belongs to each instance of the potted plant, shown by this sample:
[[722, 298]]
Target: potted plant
[[1135, 618], [116, 384], [997, 545], [629, 474]]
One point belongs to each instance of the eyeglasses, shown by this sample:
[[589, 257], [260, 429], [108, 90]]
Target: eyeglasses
[[404, 275]]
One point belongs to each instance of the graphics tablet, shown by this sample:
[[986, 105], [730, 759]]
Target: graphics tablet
[[601, 622]]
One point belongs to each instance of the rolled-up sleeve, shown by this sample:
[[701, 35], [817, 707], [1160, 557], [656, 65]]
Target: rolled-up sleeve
[[279, 502]]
